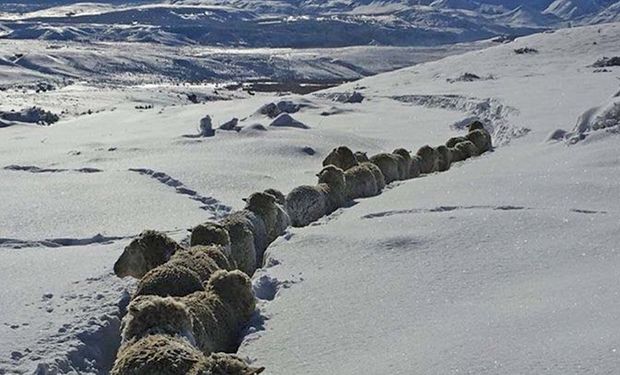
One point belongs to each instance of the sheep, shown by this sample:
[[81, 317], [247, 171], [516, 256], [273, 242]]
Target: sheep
[[404, 163], [169, 280], [210, 320], [467, 149], [160, 354], [341, 157], [458, 153], [173, 279], [210, 233], [414, 170], [144, 253], [227, 364], [376, 171], [454, 141], [428, 158], [361, 157], [388, 163], [479, 138], [475, 126], [306, 204], [444, 158], [249, 238], [361, 182], [275, 218], [277, 194]]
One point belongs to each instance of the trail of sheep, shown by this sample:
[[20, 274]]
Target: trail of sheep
[[35, 169], [491, 111], [13, 243], [217, 209], [441, 209]]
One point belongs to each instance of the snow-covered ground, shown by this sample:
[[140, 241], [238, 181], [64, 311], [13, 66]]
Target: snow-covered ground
[[505, 264]]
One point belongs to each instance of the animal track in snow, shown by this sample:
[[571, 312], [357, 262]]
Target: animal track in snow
[[212, 205], [35, 169], [456, 208], [490, 111]]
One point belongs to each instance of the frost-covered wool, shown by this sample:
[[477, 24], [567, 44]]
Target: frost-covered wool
[[376, 171], [216, 253], [248, 238], [480, 139], [277, 194], [361, 157], [458, 154], [152, 315], [414, 171], [306, 204], [388, 163], [169, 280], [160, 355], [264, 205], [404, 163], [454, 141], [428, 158], [210, 233], [361, 182], [228, 364], [444, 158], [467, 149], [341, 157], [144, 253]]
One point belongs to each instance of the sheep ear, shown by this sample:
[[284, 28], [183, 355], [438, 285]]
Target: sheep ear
[[244, 199], [256, 371]]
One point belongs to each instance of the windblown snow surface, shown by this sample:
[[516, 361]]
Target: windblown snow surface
[[505, 264]]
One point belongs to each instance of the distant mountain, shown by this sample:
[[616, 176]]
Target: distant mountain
[[294, 23]]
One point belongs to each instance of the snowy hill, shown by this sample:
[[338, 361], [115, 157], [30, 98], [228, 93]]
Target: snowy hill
[[505, 264], [298, 24]]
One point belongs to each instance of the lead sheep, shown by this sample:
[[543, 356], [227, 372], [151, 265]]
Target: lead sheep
[[306, 204], [428, 159], [481, 139], [173, 279], [147, 251], [361, 182], [389, 166], [211, 319], [341, 157]]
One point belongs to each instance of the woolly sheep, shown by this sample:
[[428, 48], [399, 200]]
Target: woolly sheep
[[428, 159], [341, 157], [444, 158], [160, 354], [306, 204], [227, 364], [479, 138], [173, 279], [169, 280], [458, 154], [388, 163], [414, 170], [144, 253], [475, 126], [275, 218], [211, 319], [360, 182], [376, 172], [249, 238], [404, 163], [277, 194], [210, 233], [361, 157], [467, 149], [454, 141]]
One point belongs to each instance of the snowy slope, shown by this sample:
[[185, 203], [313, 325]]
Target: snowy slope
[[506, 264]]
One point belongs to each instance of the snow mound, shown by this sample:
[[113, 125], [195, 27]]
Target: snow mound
[[32, 115], [599, 121], [287, 121]]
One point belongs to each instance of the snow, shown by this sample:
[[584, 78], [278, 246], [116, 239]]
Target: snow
[[505, 264]]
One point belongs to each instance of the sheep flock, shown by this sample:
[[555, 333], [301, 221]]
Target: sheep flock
[[191, 304]]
